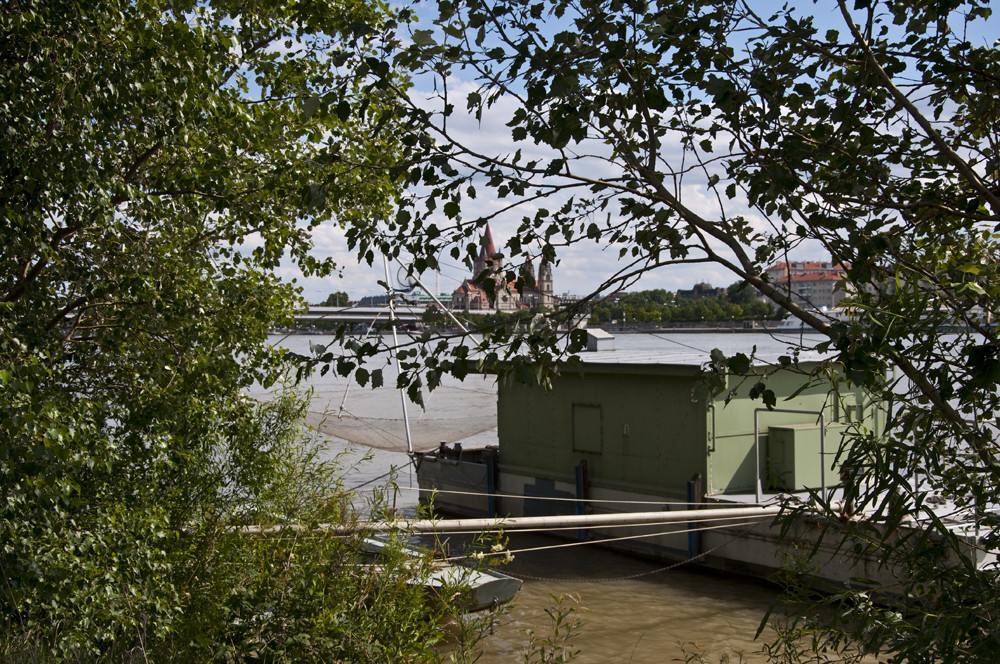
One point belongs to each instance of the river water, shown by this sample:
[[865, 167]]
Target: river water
[[631, 610]]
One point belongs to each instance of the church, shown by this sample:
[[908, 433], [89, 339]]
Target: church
[[471, 296]]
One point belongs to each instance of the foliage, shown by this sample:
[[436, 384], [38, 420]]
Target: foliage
[[660, 306], [741, 293], [225, 595], [336, 299], [557, 647], [707, 132], [158, 162]]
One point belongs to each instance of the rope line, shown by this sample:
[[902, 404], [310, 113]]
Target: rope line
[[572, 500], [394, 470], [674, 341], [666, 568], [606, 540], [549, 529]]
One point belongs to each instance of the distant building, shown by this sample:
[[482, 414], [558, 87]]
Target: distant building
[[701, 290], [810, 283], [472, 296], [567, 299]]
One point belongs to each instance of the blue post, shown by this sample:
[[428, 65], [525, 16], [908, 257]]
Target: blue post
[[693, 489], [581, 491], [491, 489]]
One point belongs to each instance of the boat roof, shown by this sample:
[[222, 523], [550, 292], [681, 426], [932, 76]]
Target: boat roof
[[662, 362], [692, 359]]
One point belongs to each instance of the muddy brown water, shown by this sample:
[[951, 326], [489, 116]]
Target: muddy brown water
[[629, 612]]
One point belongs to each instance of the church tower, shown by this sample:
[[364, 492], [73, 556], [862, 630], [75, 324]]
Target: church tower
[[472, 296], [545, 287], [528, 272], [487, 251]]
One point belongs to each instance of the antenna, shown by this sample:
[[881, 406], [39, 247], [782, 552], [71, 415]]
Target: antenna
[[407, 282]]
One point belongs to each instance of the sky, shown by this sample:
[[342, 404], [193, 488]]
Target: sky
[[581, 268]]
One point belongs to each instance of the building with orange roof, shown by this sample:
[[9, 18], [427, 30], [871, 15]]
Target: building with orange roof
[[811, 283]]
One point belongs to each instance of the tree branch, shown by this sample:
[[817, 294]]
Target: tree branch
[[966, 171]]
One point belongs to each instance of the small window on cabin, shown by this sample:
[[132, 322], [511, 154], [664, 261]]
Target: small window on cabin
[[587, 428], [847, 410]]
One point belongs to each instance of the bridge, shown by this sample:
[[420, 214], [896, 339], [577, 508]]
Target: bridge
[[404, 314]]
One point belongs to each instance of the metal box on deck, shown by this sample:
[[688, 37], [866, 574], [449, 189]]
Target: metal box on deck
[[794, 459]]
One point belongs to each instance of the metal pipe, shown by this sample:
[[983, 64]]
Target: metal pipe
[[693, 499], [516, 523], [491, 490], [395, 344], [581, 493]]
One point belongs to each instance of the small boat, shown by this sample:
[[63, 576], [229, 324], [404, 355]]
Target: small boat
[[477, 589], [792, 324]]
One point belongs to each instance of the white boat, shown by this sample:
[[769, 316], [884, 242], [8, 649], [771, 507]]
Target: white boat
[[792, 324], [476, 589]]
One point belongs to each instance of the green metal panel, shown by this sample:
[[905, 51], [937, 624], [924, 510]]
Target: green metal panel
[[793, 455], [588, 435], [732, 462], [651, 434]]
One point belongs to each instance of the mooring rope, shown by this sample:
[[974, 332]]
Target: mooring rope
[[608, 526], [529, 577], [569, 500]]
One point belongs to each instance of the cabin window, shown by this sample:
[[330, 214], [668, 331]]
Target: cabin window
[[846, 409], [587, 428]]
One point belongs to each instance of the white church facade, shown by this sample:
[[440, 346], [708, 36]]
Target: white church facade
[[472, 296]]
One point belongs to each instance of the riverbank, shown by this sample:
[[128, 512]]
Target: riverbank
[[720, 327]]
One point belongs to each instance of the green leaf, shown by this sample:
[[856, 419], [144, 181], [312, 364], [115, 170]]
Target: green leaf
[[423, 38]]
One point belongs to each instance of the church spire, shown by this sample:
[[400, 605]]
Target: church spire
[[487, 251]]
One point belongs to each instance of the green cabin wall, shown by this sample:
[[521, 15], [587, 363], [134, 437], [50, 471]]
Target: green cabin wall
[[640, 430], [646, 426], [731, 461]]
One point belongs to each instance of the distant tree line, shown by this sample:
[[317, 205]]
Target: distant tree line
[[739, 303], [662, 306], [336, 299]]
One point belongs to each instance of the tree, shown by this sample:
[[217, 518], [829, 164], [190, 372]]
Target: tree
[[337, 299], [871, 132], [158, 161], [740, 293]]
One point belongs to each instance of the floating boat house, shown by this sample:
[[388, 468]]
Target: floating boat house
[[636, 432], [642, 427]]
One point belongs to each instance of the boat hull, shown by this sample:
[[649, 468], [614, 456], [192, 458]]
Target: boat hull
[[762, 548]]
